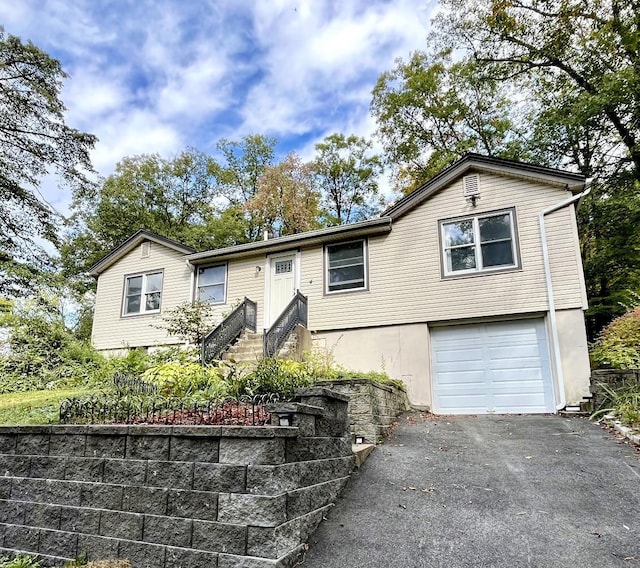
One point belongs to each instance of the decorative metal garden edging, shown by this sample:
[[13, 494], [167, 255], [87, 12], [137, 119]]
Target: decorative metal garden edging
[[131, 384], [110, 409]]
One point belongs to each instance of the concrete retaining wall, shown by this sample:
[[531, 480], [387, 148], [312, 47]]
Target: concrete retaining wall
[[181, 496], [373, 407]]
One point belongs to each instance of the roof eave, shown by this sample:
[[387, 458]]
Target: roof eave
[[365, 228], [475, 162], [134, 240]]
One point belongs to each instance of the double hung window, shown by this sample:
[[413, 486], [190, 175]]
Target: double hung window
[[346, 266], [212, 284], [142, 293], [479, 244]]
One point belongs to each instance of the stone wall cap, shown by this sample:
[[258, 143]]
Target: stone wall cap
[[321, 391], [259, 432], [27, 429], [363, 381], [202, 430], [295, 407]]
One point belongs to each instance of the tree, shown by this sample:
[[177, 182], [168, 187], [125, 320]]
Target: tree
[[287, 200], [348, 176], [34, 141], [172, 197], [238, 176], [591, 46], [431, 110]]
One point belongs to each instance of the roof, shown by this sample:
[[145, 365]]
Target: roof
[[478, 163], [132, 242], [469, 163], [363, 228]]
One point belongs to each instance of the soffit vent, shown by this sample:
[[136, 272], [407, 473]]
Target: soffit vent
[[145, 249], [471, 185]]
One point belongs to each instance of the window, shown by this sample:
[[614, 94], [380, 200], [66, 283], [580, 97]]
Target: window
[[212, 284], [284, 266], [478, 244], [346, 268], [142, 293]]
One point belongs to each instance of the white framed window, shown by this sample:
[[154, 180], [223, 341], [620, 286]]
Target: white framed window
[[142, 293], [346, 266], [211, 284], [481, 243]]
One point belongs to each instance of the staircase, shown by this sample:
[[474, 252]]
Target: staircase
[[248, 350]]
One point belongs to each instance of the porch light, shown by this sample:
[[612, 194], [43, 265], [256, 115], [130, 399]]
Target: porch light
[[359, 439], [285, 418]]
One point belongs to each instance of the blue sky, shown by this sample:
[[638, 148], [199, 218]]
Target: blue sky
[[158, 76]]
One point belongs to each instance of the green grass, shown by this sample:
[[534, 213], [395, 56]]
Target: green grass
[[35, 407]]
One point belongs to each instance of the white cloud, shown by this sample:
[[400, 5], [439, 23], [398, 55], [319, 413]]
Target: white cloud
[[158, 75]]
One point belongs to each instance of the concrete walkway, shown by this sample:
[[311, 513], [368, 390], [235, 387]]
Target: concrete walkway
[[501, 491]]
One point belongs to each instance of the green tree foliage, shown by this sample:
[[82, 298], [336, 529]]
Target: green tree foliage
[[34, 141], [43, 352], [347, 174], [238, 174], [431, 110], [590, 48], [287, 200], [171, 197]]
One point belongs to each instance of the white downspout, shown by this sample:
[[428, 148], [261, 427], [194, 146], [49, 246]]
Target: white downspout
[[553, 323]]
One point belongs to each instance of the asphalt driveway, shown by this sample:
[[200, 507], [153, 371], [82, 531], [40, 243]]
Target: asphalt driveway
[[499, 491]]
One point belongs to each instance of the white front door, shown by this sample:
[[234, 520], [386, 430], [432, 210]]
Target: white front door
[[282, 284]]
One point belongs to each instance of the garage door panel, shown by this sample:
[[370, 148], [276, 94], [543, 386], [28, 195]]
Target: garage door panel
[[500, 367], [470, 404], [453, 378], [453, 355]]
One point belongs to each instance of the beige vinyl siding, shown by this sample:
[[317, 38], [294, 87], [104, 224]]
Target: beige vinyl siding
[[243, 280], [405, 277], [112, 330]]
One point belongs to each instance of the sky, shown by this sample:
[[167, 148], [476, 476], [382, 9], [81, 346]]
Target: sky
[[158, 76]]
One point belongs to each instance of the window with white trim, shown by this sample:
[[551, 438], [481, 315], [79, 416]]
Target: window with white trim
[[346, 266], [212, 284], [142, 293], [479, 244]]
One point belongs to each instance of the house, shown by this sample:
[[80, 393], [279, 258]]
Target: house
[[470, 289]]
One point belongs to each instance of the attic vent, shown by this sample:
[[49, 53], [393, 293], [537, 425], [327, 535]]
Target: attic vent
[[145, 250], [471, 185]]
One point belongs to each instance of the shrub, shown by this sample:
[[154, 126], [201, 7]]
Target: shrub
[[279, 376], [618, 346], [184, 379]]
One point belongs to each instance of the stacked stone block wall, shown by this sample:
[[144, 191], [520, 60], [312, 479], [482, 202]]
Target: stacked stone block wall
[[615, 378], [373, 407], [181, 496]]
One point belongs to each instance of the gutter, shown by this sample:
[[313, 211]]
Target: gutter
[[547, 275]]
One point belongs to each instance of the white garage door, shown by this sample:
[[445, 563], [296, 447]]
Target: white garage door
[[500, 367]]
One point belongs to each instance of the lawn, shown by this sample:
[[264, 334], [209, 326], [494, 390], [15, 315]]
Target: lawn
[[35, 407]]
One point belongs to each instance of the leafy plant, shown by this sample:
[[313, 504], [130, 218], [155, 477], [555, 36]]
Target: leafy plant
[[618, 346], [190, 321], [181, 379], [279, 376], [19, 562], [622, 401]]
